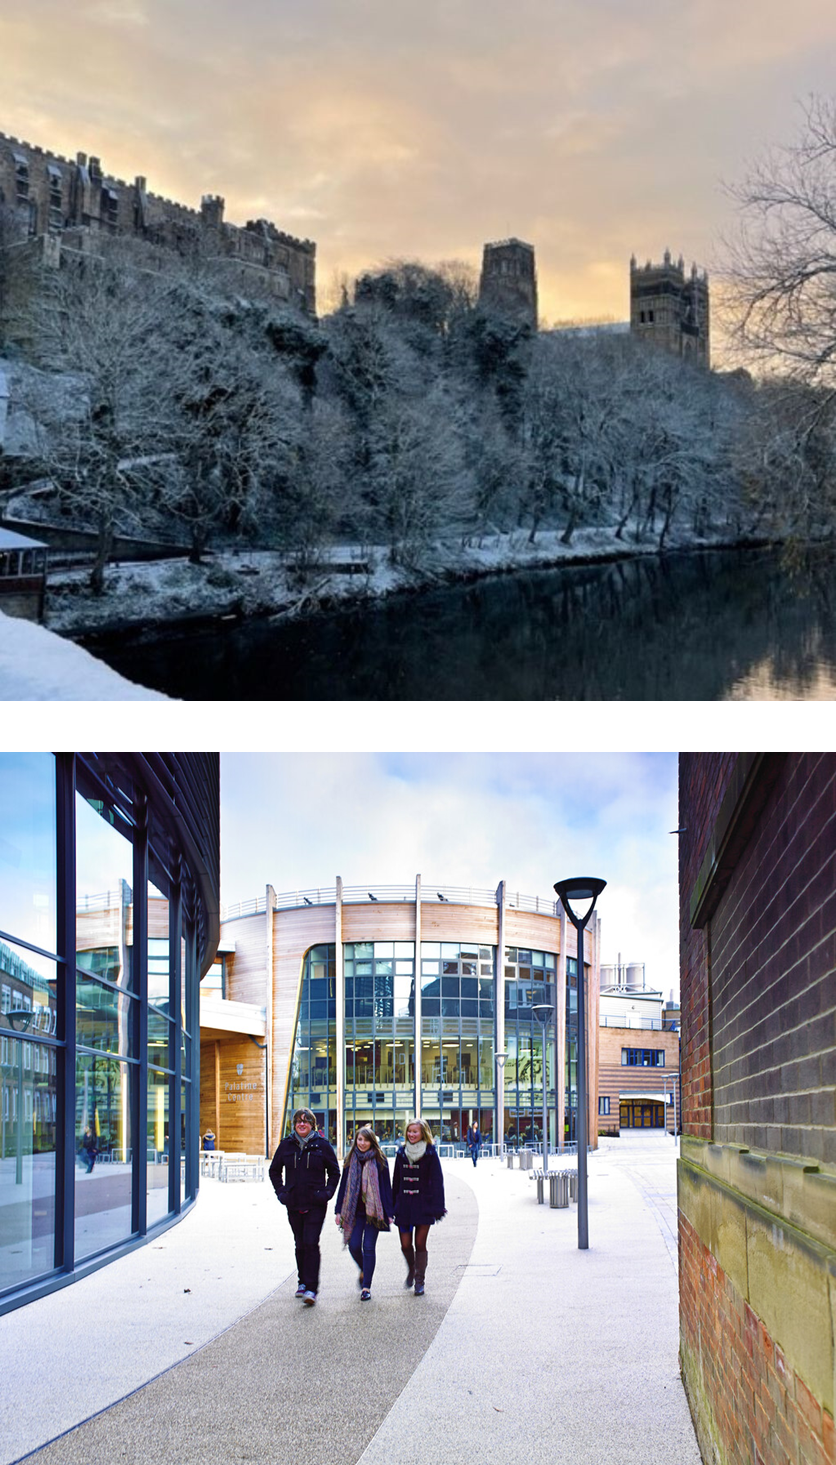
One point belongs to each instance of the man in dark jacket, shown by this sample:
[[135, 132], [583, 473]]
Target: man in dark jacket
[[305, 1174]]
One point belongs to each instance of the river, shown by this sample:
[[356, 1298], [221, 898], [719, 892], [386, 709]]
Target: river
[[698, 626]]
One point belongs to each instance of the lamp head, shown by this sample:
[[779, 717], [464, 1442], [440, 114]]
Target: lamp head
[[542, 1011], [578, 897], [499, 1059]]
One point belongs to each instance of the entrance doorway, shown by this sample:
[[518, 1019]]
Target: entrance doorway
[[642, 1114]]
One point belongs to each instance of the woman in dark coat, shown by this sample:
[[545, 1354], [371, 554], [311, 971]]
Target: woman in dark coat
[[418, 1190], [364, 1203]]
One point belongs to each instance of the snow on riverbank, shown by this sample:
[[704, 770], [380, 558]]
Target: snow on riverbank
[[38, 666], [242, 584]]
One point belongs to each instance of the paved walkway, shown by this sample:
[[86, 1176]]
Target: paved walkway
[[194, 1349]]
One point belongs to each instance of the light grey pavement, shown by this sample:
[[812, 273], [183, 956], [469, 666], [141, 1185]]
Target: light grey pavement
[[523, 1349]]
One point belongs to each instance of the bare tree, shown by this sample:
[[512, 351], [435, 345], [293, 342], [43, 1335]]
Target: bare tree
[[780, 274], [99, 324]]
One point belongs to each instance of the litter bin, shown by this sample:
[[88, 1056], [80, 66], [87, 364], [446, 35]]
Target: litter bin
[[573, 1185], [509, 1160], [558, 1190], [526, 1160]]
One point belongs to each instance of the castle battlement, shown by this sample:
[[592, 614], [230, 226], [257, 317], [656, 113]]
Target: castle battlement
[[52, 194]]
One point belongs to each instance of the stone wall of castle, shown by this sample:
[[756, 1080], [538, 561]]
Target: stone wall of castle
[[76, 202]]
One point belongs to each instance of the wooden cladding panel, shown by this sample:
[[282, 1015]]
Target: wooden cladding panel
[[540, 933], [443, 922], [238, 1099], [247, 965], [379, 922]]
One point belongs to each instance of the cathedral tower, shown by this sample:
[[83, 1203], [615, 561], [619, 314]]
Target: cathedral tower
[[508, 283], [670, 309]]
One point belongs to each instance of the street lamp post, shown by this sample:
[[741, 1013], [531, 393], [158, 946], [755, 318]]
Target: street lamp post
[[543, 1013], [499, 1060], [574, 895]]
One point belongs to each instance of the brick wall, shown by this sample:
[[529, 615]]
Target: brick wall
[[773, 974], [749, 1404], [757, 1172], [703, 779]]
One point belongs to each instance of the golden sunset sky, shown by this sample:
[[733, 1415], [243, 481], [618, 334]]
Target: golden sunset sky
[[422, 128]]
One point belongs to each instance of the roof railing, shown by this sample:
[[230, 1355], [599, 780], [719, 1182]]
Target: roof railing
[[431, 893]]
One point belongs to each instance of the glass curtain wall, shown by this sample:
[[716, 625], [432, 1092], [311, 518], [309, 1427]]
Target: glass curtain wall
[[529, 979], [97, 1020], [456, 1048], [570, 1122], [313, 1069], [457, 1039]]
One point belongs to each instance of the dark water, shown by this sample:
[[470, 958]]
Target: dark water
[[709, 627]]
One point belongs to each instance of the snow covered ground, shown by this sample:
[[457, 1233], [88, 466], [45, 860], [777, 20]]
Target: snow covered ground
[[38, 666]]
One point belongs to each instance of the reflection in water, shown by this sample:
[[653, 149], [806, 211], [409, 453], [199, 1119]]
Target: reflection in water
[[696, 626]]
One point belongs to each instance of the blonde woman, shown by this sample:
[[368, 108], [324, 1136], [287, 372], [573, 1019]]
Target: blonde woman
[[364, 1203], [418, 1191]]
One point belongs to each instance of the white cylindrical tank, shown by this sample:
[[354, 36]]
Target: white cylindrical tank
[[609, 976], [635, 975]]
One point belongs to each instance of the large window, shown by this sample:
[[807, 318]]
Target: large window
[[102, 926], [530, 978], [643, 1057]]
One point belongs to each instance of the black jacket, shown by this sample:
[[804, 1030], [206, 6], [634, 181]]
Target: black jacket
[[305, 1177]]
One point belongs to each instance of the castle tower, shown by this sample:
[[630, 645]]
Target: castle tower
[[508, 283], [670, 309]]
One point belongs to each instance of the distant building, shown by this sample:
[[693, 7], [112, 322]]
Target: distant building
[[638, 1054], [68, 204], [670, 309], [22, 575], [508, 283]]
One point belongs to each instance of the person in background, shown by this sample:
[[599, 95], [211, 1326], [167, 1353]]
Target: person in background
[[304, 1174], [418, 1192], [90, 1148], [474, 1141], [364, 1203]]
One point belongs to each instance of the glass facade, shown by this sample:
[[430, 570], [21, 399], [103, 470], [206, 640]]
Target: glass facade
[[101, 926], [451, 1056]]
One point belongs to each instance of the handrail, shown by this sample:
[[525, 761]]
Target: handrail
[[432, 893]]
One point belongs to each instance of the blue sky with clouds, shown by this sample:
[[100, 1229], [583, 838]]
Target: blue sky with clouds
[[296, 821]]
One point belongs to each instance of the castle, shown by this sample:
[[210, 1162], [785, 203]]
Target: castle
[[62, 203]]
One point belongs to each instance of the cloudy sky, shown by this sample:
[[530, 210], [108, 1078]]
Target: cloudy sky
[[423, 128], [296, 821]]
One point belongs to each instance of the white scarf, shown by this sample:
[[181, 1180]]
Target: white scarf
[[414, 1152]]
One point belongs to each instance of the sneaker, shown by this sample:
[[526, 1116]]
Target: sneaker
[[419, 1289], [309, 1298], [301, 1290], [365, 1295]]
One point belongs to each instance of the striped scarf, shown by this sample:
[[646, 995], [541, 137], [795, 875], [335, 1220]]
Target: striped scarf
[[363, 1189]]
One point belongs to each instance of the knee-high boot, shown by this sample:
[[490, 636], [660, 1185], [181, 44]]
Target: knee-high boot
[[409, 1257], [420, 1269]]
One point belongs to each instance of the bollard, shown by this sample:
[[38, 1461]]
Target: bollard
[[540, 1187], [509, 1160]]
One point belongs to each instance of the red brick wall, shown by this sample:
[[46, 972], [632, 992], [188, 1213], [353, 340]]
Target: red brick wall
[[703, 779], [773, 973], [760, 1410]]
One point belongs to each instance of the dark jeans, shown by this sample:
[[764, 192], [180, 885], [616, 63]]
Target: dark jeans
[[307, 1226], [361, 1244]]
